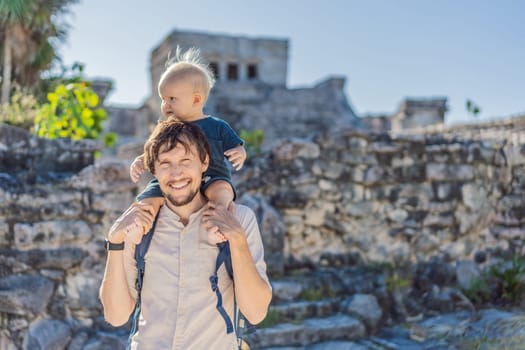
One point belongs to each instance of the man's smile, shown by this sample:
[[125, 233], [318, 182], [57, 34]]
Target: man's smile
[[178, 185]]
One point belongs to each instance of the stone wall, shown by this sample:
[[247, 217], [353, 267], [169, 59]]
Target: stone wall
[[51, 233], [344, 198], [352, 197]]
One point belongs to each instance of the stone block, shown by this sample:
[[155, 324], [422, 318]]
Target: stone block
[[81, 290], [473, 196], [467, 272], [295, 148], [449, 172], [45, 334], [51, 234], [25, 294], [366, 308]]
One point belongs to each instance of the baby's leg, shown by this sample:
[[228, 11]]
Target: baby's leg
[[156, 203], [220, 192]]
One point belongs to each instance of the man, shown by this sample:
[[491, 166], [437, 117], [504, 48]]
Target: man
[[177, 303]]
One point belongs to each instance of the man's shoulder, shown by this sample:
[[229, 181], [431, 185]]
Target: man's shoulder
[[243, 212]]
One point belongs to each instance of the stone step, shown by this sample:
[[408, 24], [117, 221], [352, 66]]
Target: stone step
[[300, 310], [310, 331]]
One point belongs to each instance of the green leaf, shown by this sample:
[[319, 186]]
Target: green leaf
[[86, 117], [92, 99], [52, 97], [110, 139], [61, 90]]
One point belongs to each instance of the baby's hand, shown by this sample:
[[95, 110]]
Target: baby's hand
[[236, 156], [136, 169], [215, 236]]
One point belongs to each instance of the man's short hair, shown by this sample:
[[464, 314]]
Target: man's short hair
[[170, 133]]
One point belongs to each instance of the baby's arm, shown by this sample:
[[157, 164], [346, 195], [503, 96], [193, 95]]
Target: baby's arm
[[137, 168], [236, 156]]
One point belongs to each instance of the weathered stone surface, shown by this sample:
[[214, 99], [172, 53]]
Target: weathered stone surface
[[25, 294], [310, 331], [51, 234], [365, 307], [26, 153], [272, 231], [473, 196], [61, 258], [78, 341], [81, 290], [286, 290], [104, 177], [448, 172], [467, 272], [106, 342], [46, 334], [515, 154], [295, 148], [4, 233]]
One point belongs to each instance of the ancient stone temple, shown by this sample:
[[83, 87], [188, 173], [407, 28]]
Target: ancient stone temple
[[251, 90]]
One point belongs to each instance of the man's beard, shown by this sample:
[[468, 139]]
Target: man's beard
[[182, 202]]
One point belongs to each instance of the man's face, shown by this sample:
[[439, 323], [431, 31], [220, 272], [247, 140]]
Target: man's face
[[179, 174]]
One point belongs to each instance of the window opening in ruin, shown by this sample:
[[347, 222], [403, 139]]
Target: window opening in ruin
[[214, 66], [252, 71], [233, 71]]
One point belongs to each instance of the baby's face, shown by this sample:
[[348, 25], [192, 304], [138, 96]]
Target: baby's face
[[177, 98]]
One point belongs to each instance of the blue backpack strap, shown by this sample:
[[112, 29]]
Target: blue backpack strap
[[140, 253], [242, 326], [224, 254]]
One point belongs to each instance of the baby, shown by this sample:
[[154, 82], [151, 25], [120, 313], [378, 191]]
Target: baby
[[184, 88]]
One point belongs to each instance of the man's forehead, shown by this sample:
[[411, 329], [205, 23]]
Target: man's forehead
[[182, 148]]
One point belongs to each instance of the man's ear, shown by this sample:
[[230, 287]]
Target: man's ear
[[205, 164]]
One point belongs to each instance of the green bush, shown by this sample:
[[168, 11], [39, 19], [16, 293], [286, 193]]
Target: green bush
[[20, 111], [501, 282], [316, 294], [511, 280], [72, 112], [394, 282], [272, 318], [253, 141], [479, 291]]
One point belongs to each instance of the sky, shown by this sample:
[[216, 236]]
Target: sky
[[387, 50]]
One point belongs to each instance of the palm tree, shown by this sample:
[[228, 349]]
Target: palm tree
[[28, 26], [13, 14]]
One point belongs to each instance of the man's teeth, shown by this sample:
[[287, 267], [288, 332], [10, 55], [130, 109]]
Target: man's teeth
[[178, 187]]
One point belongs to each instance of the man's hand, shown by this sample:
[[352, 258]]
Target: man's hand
[[137, 168], [133, 224], [236, 156]]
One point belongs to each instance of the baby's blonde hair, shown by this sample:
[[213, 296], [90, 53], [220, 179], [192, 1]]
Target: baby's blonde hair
[[189, 64]]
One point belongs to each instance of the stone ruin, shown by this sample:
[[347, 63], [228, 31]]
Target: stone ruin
[[339, 200], [251, 93], [327, 202]]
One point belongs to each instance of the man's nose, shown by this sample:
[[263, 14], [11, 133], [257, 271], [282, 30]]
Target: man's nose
[[175, 171]]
